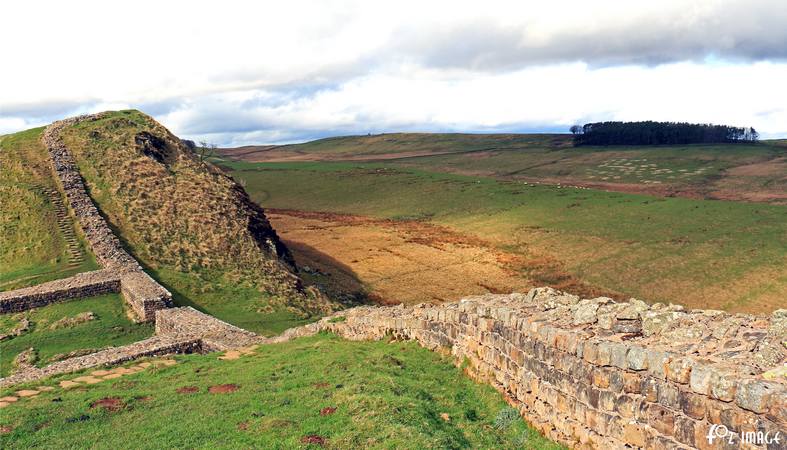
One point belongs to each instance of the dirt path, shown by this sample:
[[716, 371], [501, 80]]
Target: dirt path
[[407, 261]]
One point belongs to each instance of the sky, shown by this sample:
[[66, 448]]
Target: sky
[[242, 72]]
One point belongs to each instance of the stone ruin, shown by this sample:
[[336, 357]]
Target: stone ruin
[[589, 373], [605, 375]]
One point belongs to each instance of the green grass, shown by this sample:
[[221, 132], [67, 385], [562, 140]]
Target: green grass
[[354, 146], [33, 248], [700, 169], [238, 304], [695, 252], [386, 395], [111, 328]]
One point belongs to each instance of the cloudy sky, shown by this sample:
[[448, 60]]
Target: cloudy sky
[[237, 73]]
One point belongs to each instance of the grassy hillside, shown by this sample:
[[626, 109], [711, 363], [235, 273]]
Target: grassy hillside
[[756, 172], [34, 248], [292, 395], [110, 327], [398, 145], [191, 225], [710, 254]]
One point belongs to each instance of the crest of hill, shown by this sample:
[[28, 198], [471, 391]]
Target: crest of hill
[[389, 146], [188, 222]]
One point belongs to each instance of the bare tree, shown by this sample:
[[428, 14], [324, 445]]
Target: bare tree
[[205, 150]]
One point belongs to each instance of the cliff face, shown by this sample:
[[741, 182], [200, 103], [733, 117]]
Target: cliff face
[[179, 214]]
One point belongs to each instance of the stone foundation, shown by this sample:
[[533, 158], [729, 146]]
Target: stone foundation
[[85, 284], [154, 346], [604, 375], [215, 335]]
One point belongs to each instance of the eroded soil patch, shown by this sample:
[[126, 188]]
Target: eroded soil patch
[[223, 388], [393, 261], [111, 404]]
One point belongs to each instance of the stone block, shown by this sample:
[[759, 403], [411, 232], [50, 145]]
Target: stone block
[[693, 405], [700, 378], [755, 395]]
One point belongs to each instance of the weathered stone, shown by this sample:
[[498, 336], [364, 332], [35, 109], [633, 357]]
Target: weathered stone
[[679, 370], [722, 387], [754, 395], [585, 312], [654, 322], [662, 419], [700, 377], [637, 358]]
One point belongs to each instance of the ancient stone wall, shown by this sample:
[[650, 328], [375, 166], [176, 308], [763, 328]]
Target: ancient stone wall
[[605, 375], [142, 292], [215, 334], [178, 330], [154, 346], [85, 284]]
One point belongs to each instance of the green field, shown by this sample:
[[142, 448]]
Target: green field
[[688, 170], [385, 395], [110, 328], [711, 254], [34, 249]]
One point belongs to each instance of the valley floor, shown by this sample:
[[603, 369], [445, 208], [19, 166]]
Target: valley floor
[[699, 253]]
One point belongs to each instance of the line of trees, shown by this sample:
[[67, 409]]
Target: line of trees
[[659, 133]]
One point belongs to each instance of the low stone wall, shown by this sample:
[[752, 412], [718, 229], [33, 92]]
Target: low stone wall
[[215, 335], [85, 284], [605, 375], [154, 346], [178, 330]]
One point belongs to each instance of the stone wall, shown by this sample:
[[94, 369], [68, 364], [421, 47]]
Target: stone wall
[[215, 335], [178, 330], [605, 375], [142, 292], [154, 346], [85, 284]]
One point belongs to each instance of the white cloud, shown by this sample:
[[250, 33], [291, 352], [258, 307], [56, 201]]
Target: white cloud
[[240, 72]]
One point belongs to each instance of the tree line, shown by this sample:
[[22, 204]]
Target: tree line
[[659, 133]]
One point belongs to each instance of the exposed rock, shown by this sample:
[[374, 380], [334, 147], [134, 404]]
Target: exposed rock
[[26, 358], [68, 322]]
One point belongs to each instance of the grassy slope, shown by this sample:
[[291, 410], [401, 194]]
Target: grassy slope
[[33, 250], [385, 395], [711, 254], [697, 169], [345, 146], [186, 224], [111, 328]]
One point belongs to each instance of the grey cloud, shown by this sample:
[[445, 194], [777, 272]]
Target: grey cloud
[[747, 31]]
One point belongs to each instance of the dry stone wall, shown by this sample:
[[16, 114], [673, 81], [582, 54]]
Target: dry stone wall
[[215, 334], [85, 284], [154, 346], [178, 330], [605, 375]]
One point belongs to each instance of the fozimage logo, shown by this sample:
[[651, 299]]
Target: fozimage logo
[[720, 433]]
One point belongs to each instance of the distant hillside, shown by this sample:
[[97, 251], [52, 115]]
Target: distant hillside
[[730, 171], [192, 225], [389, 146]]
